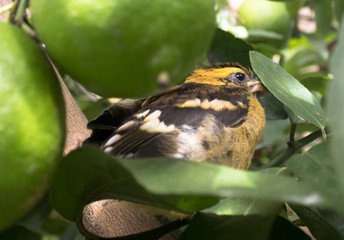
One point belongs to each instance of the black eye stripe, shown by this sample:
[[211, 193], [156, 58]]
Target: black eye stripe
[[240, 76]]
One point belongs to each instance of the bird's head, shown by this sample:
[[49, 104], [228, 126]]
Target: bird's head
[[227, 74]]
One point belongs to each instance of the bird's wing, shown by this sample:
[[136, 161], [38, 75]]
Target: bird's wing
[[153, 129], [113, 117], [189, 103]]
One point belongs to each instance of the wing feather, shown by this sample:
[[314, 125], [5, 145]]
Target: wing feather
[[152, 142]]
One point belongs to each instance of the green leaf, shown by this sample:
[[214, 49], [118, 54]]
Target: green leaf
[[239, 206], [227, 48], [18, 232], [55, 225], [255, 227], [323, 16], [236, 206], [294, 6], [36, 217], [72, 233], [266, 49], [316, 168], [209, 226], [335, 108], [288, 90], [281, 0], [339, 9], [303, 57], [257, 35], [301, 53], [179, 177], [315, 81], [274, 133], [187, 186], [283, 229], [293, 118], [322, 223], [273, 108], [89, 174]]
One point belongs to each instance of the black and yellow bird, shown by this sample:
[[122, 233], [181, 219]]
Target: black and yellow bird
[[214, 116]]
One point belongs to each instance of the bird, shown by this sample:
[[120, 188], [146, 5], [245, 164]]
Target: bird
[[213, 117]]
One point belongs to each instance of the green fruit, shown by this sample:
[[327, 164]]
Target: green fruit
[[31, 126], [268, 22], [119, 47]]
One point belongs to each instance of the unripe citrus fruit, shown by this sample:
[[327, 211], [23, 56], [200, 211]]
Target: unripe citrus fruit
[[31, 125], [120, 47], [269, 16]]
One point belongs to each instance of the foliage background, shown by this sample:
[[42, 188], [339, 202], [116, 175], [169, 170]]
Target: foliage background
[[296, 177]]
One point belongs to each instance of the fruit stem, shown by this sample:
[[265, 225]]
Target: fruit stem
[[20, 12], [28, 29]]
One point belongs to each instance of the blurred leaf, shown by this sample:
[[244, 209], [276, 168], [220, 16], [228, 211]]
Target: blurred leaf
[[320, 222], [294, 6], [288, 90], [323, 16], [335, 108], [302, 58], [331, 218], [316, 167], [266, 49], [273, 108], [55, 225], [306, 127], [315, 81], [339, 9], [273, 171], [18, 232], [221, 3], [90, 174], [301, 42], [36, 217], [258, 35], [72, 233], [236, 206], [302, 53], [255, 227], [282, 229], [244, 207], [227, 48], [274, 133], [94, 109], [281, 0], [179, 177], [209, 226]]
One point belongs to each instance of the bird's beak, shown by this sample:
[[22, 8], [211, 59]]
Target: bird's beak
[[257, 87]]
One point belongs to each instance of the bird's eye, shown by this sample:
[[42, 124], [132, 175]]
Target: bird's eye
[[240, 76]]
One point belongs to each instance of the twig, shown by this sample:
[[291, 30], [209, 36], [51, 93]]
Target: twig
[[20, 12], [291, 143], [280, 159]]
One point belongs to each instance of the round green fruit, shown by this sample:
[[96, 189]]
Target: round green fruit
[[31, 124], [268, 22], [120, 47]]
